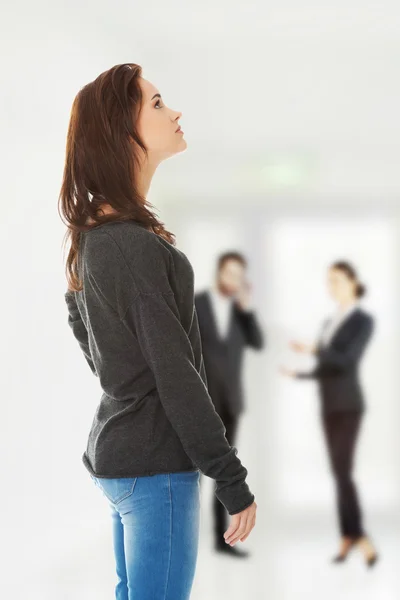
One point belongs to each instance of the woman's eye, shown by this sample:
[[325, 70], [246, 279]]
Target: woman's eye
[[157, 104]]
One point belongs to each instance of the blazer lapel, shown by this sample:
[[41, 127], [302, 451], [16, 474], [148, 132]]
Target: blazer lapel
[[213, 318], [345, 323]]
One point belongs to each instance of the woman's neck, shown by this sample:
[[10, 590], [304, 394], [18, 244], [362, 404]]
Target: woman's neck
[[144, 178], [347, 304]]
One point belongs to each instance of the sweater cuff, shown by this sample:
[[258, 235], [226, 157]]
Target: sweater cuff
[[236, 501], [244, 506]]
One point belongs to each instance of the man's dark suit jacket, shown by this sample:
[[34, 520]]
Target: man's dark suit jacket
[[223, 357], [337, 364]]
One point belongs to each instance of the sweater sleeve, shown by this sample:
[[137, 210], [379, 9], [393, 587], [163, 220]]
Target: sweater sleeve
[[134, 277], [153, 318], [78, 328], [195, 340]]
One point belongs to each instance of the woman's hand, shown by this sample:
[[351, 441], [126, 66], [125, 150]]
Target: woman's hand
[[303, 348], [287, 372], [241, 525]]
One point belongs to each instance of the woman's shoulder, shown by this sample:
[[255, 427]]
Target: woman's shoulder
[[365, 316], [121, 252], [130, 240]]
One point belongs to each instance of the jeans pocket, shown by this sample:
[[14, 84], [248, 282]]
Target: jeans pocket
[[116, 489]]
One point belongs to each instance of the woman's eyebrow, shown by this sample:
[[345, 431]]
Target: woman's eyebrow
[[155, 96]]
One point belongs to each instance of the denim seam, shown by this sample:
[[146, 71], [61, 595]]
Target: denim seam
[[170, 534], [115, 502], [128, 493]]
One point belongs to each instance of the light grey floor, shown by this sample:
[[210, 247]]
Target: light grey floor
[[289, 561]]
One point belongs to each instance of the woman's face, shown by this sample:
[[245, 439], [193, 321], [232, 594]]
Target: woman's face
[[157, 125], [340, 286]]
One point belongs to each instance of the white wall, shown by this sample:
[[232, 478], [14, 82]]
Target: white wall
[[265, 88], [301, 250]]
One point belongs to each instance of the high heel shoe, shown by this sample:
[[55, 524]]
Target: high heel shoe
[[372, 560], [373, 557], [340, 558]]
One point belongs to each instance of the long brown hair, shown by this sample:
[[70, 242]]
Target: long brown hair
[[100, 161]]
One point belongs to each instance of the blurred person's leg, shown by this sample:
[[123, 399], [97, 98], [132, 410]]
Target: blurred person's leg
[[341, 430], [155, 523]]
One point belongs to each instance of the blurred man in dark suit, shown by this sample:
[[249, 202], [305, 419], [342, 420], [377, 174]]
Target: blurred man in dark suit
[[227, 324]]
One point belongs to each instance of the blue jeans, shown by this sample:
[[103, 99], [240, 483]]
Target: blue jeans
[[155, 524]]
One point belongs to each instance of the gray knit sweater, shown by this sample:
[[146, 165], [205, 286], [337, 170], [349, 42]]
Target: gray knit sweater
[[136, 323]]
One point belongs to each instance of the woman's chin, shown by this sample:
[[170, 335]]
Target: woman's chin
[[180, 147], [183, 143]]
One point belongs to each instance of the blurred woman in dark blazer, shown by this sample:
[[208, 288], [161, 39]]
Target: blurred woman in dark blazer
[[342, 342]]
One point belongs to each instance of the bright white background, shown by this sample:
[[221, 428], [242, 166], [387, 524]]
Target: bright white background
[[290, 110], [301, 251]]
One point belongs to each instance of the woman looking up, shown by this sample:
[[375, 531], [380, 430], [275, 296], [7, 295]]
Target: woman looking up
[[131, 307]]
